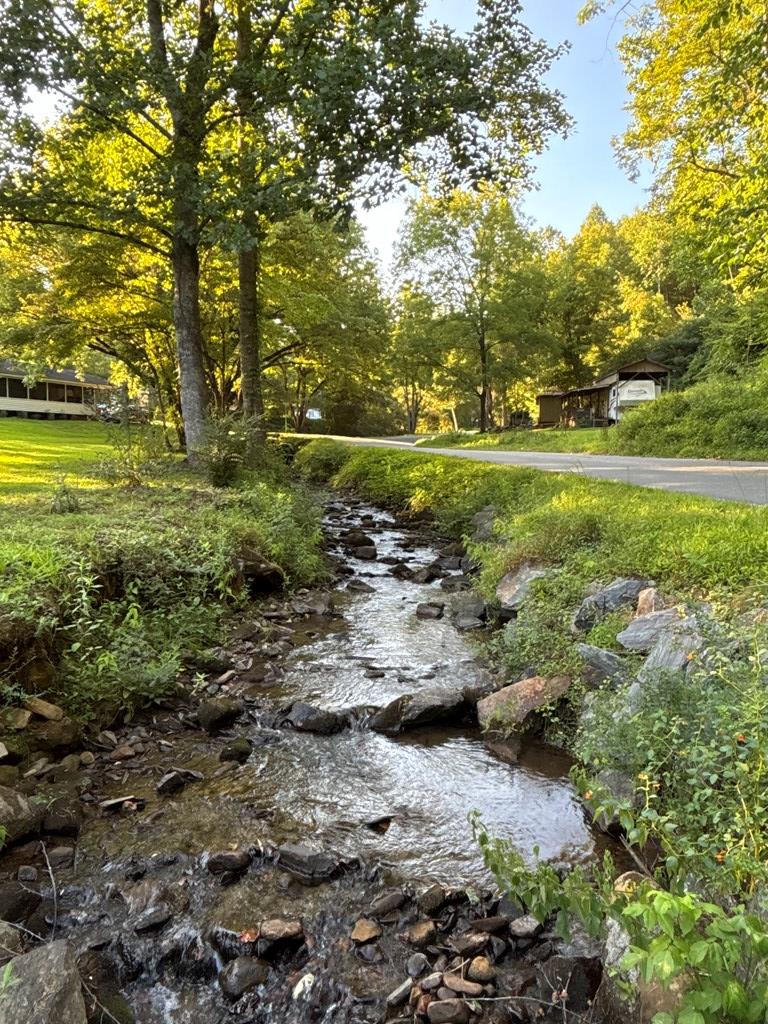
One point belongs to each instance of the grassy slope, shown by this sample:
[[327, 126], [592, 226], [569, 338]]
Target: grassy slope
[[169, 544], [589, 440]]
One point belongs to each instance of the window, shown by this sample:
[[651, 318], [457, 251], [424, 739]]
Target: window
[[38, 392], [74, 393], [89, 397], [16, 388], [56, 393], [3, 387]]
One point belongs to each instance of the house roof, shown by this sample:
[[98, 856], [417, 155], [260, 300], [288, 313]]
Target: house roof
[[639, 366], [66, 376]]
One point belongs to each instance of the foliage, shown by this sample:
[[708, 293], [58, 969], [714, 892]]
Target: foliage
[[65, 498], [138, 452], [320, 460], [125, 589]]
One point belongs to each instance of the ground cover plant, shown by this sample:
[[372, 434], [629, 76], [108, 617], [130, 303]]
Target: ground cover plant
[[108, 597], [695, 746]]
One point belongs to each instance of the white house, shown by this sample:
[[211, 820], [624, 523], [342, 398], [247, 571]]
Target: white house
[[56, 394]]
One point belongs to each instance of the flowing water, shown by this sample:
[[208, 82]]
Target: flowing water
[[398, 806]]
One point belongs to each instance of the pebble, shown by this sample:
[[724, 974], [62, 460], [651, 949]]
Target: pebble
[[481, 969], [228, 860], [400, 995], [366, 930], [422, 934], [525, 927], [416, 965]]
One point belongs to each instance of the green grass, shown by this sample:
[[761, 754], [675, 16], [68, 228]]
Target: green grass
[[118, 592], [587, 440], [34, 453]]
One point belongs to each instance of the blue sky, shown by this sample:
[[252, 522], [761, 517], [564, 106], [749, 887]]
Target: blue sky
[[576, 172]]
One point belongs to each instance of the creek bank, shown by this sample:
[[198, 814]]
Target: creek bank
[[266, 819]]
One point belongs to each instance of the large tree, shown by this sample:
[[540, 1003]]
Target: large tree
[[481, 265], [231, 116]]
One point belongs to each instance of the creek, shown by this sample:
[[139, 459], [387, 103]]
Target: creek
[[391, 811]]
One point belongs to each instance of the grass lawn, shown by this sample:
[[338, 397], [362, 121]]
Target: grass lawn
[[111, 595], [588, 440], [34, 454]]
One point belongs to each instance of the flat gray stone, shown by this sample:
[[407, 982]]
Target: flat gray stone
[[513, 589], [45, 988], [644, 631], [622, 592], [600, 665]]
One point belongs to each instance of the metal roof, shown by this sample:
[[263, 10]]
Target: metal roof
[[640, 366], [67, 376]]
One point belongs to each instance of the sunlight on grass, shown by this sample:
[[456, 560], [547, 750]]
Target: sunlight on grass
[[34, 454]]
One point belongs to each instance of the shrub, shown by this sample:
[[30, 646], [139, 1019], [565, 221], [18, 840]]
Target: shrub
[[138, 452], [320, 460]]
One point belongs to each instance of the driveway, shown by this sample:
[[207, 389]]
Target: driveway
[[711, 478]]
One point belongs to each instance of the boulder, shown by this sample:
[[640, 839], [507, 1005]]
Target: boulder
[[43, 709], [241, 975], [46, 988], [226, 861], [623, 997], [621, 593], [238, 750], [469, 605], [10, 942], [359, 587], [54, 736], [483, 523], [455, 584], [430, 610], [63, 816], [260, 576], [600, 665], [307, 718], [674, 648], [307, 865], [15, 719], [513, 589], [416, 709], [427, 574], [509, 707], [649, 600], [621, 786], [644, 631], [467, 623], [367, 552], [17, 901], [580, 976], [357, 539], [218, 713], [19, 815]]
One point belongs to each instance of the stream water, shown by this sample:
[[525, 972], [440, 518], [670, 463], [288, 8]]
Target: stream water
[[394, 807]]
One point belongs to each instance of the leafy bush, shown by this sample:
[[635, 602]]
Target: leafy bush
[[320, 460], [721, 417], [138, 452]]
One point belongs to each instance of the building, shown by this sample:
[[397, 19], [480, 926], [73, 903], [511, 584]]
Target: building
[[606, 400], [57, 394]]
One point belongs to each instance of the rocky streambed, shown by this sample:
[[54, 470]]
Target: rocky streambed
[[291, 842]]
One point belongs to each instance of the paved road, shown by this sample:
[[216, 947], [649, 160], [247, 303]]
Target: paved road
[[713, 478]]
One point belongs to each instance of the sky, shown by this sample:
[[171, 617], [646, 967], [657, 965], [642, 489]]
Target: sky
[[574, 173]]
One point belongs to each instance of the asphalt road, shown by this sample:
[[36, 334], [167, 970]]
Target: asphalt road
[[712, 478]]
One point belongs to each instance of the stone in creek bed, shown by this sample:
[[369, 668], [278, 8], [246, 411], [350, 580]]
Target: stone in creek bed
[[19, 815], [357, 539], [154, 919], [421, 934], [307, 718], [416, 965], [218, 713], [237, 750], [366, 931], [307, 865], [427, 574], [358, 587], [45, 988], [431, 899], [280, 930], [469, 943], [400, 995], [228, 860], [448, 1011], [43, 709], [430, 610], [367, 553], [386, 903], [432, 982], [17, 901], [241, 975], [481, 969], [462, 985], [526, 927]]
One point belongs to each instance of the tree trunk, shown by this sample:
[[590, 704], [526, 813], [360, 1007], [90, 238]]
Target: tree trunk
[[189, 341], [248, 263], [250, 328], [483, 393]]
